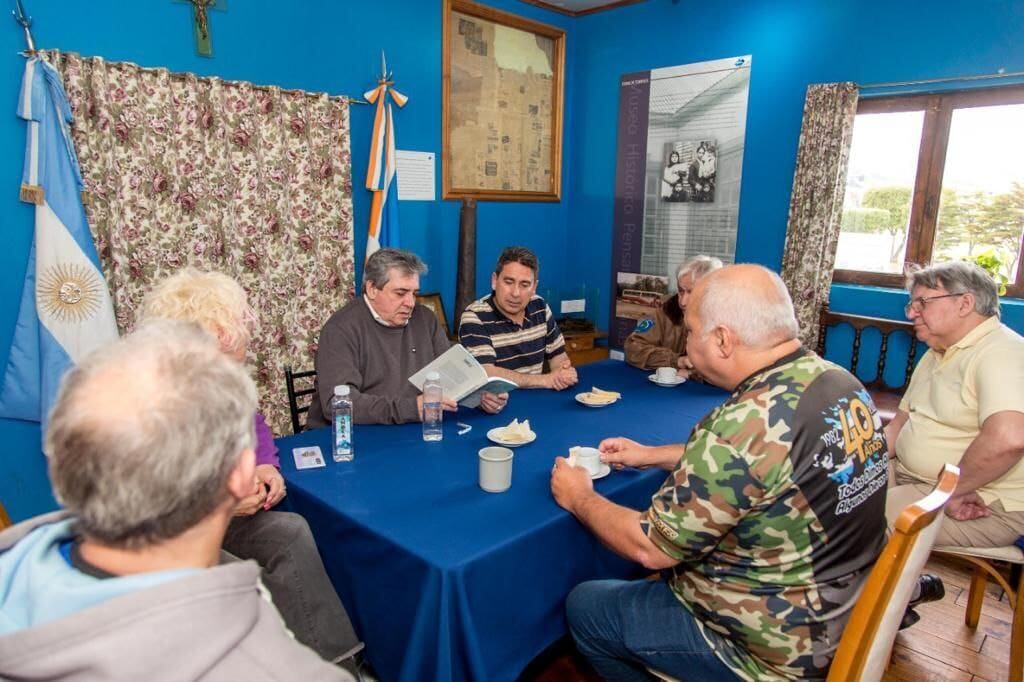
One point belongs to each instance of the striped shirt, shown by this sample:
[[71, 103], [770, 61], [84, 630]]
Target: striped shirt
[[494, 339]]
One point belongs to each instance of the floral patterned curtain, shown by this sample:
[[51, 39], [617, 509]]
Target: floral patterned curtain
[[254, 182], [816, 204]]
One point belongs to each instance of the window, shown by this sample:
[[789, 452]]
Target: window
[[935, 178]]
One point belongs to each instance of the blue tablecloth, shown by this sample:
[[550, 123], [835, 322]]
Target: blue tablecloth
[[447, 582]]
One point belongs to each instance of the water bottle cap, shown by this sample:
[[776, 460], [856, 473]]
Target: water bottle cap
[[341, 390], [433, 376]]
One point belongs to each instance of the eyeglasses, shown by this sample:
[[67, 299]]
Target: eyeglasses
[[917, 304]]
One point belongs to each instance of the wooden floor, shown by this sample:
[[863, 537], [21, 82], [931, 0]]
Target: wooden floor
[[941, 647], [938, 647]]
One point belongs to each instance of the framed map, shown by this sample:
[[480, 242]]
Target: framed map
[[502, 105]]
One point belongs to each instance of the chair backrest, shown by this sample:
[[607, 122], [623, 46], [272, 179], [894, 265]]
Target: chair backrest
[[864, 649], [309, 381], [886, 328]]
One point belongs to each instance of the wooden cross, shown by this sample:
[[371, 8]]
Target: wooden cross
[[201, 22]]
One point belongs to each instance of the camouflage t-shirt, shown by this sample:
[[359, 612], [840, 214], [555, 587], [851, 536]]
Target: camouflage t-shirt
[[776, 511]]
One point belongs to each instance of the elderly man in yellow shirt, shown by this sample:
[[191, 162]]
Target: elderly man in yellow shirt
[[964, 405]]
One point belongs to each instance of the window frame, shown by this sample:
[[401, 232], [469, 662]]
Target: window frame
[[931, 163]]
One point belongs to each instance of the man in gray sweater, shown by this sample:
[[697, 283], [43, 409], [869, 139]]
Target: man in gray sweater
[[151, 448], [376, 342]]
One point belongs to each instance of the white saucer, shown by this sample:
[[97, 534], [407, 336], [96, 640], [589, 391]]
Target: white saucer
[[653, 378], [602, 472], [493, 436], [581, 401]]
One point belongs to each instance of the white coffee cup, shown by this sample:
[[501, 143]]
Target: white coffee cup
[[665, 375], [589, 459], [495, 469]]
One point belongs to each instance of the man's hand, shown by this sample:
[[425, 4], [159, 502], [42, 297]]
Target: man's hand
[[270, 477], [248, 506], [684, 368], [562, 378], [447, 404], [967, 507], [569, 484], [493, 403], [623, 452]]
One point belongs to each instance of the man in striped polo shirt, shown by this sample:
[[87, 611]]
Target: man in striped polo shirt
[[512, 332]]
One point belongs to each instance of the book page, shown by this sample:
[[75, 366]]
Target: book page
[[460, 373]]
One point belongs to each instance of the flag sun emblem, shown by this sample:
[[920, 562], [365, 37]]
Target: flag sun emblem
[[69, 292]]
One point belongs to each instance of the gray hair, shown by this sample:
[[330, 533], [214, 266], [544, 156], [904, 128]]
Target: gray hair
[[379, 266], [145, 431], [760, 318], [959, 277], [697, 267]]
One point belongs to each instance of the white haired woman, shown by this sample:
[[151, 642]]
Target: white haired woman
[[280, 542], [660, 341]]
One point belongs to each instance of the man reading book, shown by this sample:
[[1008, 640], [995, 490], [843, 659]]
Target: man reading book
[[512, 332], [376, 342]]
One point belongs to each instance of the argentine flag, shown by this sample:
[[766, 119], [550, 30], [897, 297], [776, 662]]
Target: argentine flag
[[66, 311], [380, 172]]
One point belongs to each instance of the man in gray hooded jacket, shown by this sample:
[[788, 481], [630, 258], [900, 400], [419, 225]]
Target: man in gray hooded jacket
[[151, 447]]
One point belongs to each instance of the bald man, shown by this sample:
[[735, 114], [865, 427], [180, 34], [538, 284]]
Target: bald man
[[771, 517], [126, 582]]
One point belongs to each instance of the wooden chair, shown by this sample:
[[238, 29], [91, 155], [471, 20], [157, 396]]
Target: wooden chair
[[885, 396], [865, 647], [309, 380], [982, 559]]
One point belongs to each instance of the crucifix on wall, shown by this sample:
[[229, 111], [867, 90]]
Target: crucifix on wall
[[201, 22]]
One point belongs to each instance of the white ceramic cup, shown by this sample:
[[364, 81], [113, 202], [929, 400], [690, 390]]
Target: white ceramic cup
[[665, 375], [589, 459], [495, 469]]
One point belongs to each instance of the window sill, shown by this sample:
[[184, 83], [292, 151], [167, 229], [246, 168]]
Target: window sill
[[888, 302]]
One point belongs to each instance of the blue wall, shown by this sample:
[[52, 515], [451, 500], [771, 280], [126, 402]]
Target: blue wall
[[325, 46], [793, 43], [332, 46]]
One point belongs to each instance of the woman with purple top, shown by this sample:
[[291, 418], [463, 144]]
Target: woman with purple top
[[280, 542]]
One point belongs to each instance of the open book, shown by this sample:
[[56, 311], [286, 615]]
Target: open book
[[462, 377]]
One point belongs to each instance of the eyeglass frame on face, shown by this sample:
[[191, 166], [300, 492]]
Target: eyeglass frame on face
[[921, 301]]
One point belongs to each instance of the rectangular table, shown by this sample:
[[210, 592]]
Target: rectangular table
[[447, 582]]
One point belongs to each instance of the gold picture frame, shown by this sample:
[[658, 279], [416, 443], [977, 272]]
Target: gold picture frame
[[436, 305], [501, 127]]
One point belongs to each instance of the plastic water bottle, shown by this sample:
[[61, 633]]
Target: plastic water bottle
[[341, 425], [433, 414]]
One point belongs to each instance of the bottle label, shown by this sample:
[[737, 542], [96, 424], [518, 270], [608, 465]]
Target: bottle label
[[343, 434]]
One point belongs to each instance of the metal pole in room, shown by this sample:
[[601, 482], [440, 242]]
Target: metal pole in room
[[25, 22]]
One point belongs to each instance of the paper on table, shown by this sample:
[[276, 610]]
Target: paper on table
[[308, 458]]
